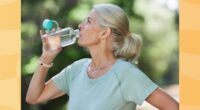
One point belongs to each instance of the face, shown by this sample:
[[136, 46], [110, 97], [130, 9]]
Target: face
[[89, 30]]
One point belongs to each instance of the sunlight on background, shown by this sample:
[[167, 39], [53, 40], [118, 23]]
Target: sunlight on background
[[155, 20]]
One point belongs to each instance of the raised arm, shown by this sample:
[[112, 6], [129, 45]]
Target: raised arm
[[38, 90]]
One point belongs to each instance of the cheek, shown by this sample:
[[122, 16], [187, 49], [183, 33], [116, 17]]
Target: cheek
[[89, 36], [88, 40]]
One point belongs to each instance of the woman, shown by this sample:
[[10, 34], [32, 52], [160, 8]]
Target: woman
[[108, 80]]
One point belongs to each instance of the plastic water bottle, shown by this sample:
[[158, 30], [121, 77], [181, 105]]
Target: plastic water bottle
[[67, 35]]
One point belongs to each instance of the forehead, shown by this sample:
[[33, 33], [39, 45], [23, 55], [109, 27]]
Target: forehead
[[92, 14]]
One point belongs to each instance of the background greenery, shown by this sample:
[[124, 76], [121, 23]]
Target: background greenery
[[155, 20]]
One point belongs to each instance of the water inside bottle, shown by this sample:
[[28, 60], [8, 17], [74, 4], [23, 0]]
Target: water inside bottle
[[68, 39], [67, 36]]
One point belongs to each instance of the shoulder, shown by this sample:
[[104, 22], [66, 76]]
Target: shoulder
[[74, 69], [123, 65], [77, 64], [80, 62], [124, 69]]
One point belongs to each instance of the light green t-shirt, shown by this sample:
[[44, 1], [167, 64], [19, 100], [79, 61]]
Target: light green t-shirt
[[121, 88]]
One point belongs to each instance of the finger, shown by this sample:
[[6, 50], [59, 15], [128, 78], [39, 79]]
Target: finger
[[59, 28], [41, 33], [45, 43], [47, 31], [53, 30], [47, 46], [44, 40]]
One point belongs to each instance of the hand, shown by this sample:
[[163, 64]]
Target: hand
[[51, 46]]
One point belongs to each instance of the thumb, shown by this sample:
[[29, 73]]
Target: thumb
[[59, 28], [41, 33]]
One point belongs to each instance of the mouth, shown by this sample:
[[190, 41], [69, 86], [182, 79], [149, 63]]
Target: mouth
[[80, 34]]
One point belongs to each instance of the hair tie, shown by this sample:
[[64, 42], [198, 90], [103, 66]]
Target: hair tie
[[128, 34]]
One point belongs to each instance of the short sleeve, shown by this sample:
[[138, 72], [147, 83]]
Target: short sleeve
[[135, 85], [62, 79]]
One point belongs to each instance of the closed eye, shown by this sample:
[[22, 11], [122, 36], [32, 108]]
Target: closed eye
[[88, 21]]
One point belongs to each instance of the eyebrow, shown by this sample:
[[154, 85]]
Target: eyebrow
[[89, 18]]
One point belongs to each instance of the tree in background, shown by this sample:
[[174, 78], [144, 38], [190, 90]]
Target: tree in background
[[155, 20]]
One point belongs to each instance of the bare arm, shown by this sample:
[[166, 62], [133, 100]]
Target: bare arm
[[38, 90], [162, 100]]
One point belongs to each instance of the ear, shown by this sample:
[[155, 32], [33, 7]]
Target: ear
[[106, 32]]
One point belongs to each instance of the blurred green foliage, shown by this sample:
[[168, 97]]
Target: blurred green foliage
[[154, 21]]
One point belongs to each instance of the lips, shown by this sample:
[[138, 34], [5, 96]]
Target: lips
[[80, 34]]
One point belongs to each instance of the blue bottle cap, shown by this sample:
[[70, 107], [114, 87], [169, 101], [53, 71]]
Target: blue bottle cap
[[47, 24]]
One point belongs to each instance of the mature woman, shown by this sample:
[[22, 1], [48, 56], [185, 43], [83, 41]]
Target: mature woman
[[109, 80]]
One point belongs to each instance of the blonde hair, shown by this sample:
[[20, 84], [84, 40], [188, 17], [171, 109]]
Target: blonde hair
[[126, 45]]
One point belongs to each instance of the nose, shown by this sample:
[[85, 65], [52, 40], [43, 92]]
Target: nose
[[80, 26]]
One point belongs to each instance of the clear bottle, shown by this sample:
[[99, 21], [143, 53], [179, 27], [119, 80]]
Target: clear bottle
[[67, 35]]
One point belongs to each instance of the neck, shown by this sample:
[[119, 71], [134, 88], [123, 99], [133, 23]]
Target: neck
[[101, 57]]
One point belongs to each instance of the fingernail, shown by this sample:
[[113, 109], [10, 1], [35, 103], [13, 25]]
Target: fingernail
[[59, 48], [45, 39]]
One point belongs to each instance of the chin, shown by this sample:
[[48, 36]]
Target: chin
[[81, 43]]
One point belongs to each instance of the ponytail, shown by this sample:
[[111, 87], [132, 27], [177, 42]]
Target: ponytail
[[125, 45], [130, 49]]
